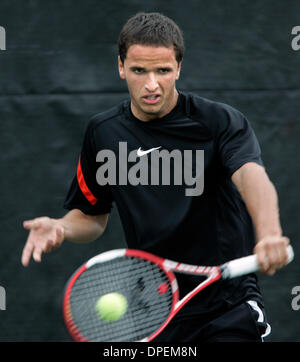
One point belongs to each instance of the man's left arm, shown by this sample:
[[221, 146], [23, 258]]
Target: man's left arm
[[260, 197]]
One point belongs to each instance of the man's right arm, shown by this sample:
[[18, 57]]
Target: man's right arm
[[47, 234]]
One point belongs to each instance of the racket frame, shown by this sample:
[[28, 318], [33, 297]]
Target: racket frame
[[231, 269]]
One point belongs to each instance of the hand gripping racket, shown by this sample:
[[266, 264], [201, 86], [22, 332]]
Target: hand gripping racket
[[150, 287]]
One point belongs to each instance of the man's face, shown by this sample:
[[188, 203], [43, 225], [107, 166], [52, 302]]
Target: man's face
[[150, 73]]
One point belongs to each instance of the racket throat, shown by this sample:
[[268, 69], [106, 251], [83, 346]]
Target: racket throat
[[211, 279]]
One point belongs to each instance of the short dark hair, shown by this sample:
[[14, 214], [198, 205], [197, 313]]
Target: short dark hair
[[152, 29]]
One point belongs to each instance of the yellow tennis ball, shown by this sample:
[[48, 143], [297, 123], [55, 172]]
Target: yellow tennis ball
[[111, 306]]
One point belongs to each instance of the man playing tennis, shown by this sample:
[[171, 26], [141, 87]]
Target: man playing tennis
[[234, 215]]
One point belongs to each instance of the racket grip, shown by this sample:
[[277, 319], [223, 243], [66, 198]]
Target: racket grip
[[246, 265]]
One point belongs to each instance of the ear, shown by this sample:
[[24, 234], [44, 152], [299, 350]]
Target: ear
[[121, 68], [178, 70]]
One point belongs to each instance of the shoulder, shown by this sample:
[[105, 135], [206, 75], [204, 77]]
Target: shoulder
[[215, 116], [209, 110], [100, 124], [101, 118]]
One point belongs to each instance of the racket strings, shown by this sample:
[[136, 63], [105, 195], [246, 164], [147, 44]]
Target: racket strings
[[138, 280]]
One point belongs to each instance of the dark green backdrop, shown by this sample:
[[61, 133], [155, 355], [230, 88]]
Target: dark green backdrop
[[60, 67]]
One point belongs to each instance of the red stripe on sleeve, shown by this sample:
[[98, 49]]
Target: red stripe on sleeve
[[83, 186]]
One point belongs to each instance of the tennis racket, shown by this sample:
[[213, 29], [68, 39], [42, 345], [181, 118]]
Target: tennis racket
[[150, 287]]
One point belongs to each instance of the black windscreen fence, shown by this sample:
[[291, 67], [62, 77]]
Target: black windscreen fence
[[58, 67]]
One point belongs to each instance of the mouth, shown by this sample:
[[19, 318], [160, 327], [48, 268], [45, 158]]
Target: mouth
[[151, 99]]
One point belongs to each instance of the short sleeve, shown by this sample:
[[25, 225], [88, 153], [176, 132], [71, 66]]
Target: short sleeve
[[236, 141], [84, 192]]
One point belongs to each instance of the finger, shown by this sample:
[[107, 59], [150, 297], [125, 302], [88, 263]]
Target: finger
[[32, 224], [262, 259], [53, 244], [273, 258], [48, 246], [273, 254], [285, 257], [286, 240], [59, 235], [26, 254], [37, 254], [271, 271], [282, 255], [278, 255]]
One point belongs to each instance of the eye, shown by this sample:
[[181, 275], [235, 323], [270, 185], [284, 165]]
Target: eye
[[138, 70], [164, 70]]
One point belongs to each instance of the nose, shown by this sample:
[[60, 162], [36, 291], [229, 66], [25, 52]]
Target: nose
[[151, 83]]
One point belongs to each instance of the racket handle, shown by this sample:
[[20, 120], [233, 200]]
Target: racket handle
[[246, 265]]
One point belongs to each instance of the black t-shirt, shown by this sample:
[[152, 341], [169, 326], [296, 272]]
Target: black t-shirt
[[161, 209]]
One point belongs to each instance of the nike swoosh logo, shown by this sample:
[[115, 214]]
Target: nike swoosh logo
[[140, 152]]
